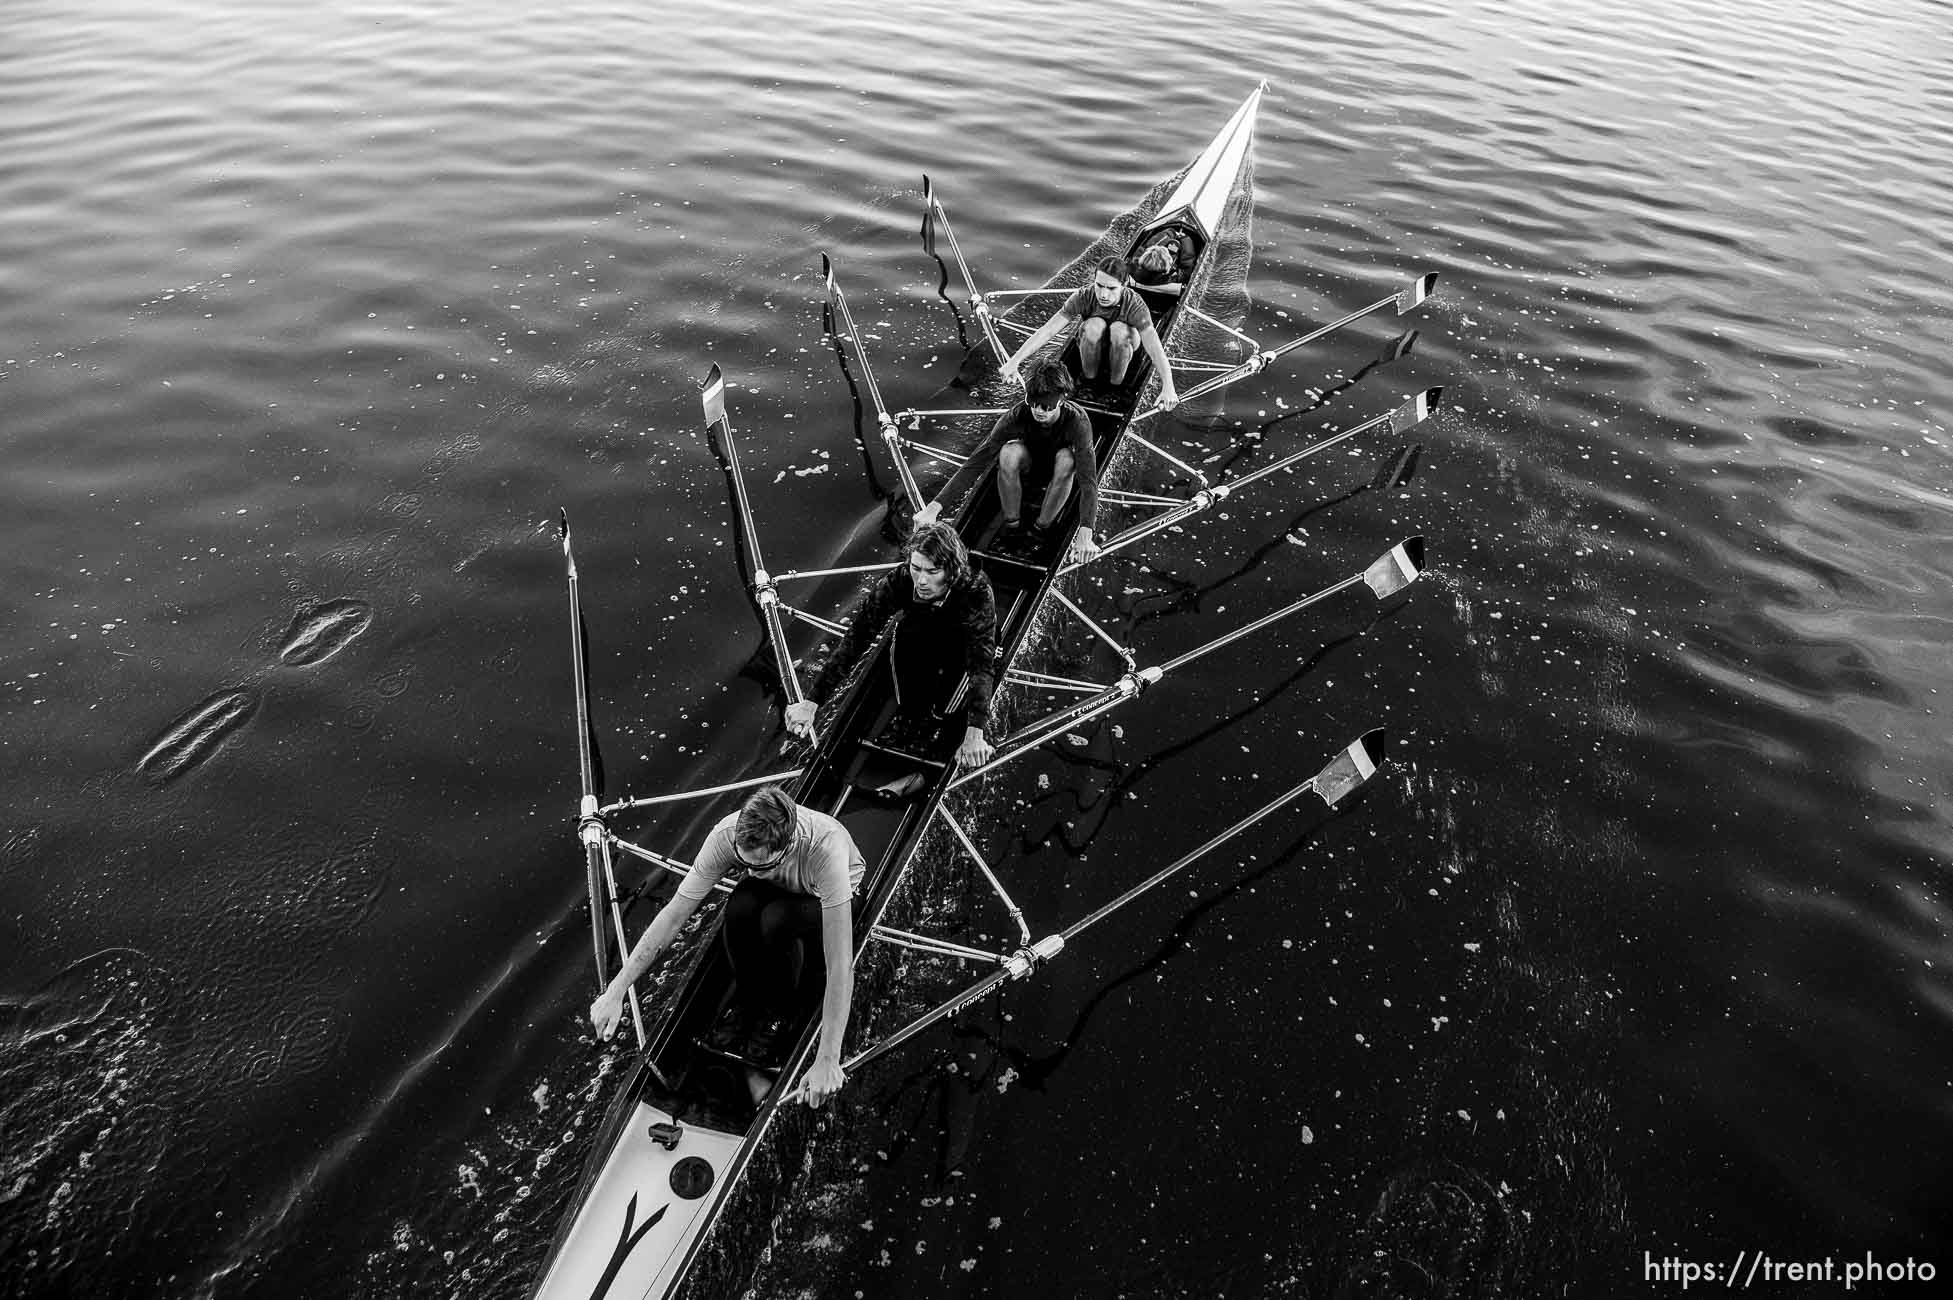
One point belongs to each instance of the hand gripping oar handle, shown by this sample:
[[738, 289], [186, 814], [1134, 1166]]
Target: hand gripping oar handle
[[766, 595], [1334, 783]]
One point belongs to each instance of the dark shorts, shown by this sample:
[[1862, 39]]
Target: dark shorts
[[1044, 462]]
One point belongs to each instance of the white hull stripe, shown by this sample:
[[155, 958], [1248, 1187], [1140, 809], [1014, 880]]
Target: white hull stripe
[[714, 397], [1404, 566], [1205, 189]]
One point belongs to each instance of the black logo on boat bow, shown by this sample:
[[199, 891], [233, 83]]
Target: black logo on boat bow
[[626, 1241]]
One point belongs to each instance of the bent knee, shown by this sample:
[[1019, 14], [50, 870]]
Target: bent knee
[[1013, 458], [1061, 463], [1124, 335], [1093, 328]]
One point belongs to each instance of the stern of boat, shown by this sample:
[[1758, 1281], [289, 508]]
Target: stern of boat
[[645, 1209]]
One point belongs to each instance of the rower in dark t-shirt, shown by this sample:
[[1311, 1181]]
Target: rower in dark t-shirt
[[1043, 437]]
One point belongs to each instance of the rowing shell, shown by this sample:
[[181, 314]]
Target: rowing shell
[[684, 1127]]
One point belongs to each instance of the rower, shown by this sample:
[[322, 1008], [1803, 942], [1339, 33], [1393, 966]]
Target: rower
[[802, 868], [945, 637], [1106, 309], [1043, 439]]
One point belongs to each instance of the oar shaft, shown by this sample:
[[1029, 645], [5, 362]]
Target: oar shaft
[[1330, 328], [896, 453], [623, 942], [922, 1022], [1295, 458], [776, 636], [969, 281], [891, 435], [586, 764], [1403, 301], [1053, 724], [586, 757], [593, 884], [853, 335], [740, 499], [1260, 623], [1159, 877], [764, 593], [1193, 506]]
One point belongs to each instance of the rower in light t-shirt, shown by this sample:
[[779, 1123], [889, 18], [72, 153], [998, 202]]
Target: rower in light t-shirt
[[802, 868]]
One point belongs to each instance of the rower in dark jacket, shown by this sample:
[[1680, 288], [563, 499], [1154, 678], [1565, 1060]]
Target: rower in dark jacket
[[945, 618]]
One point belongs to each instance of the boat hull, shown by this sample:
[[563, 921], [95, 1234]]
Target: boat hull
[[606, 1250]]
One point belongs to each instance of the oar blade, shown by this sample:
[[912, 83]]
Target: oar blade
[[1415, 411], [563, 535], [712, 396], [1399, 347], [1396, 569], [928, 215], [1416, 292], [1351, 768], [827, 273]]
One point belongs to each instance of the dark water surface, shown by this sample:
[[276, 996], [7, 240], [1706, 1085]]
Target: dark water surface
[[312, 316]]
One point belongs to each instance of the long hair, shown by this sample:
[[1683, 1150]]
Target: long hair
[[765, 822], [939, 544]]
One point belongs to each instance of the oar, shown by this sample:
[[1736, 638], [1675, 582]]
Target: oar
[[1335, 782], [891, 435], [599, 873], [1405, 299], [1408, 414], [766, 595], [589, 762], [933, 214], [1387, 575]]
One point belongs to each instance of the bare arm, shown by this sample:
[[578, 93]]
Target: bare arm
[[608, 1009], [824, 1077], [1060, 319], [972, 471], [1149, 338]]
